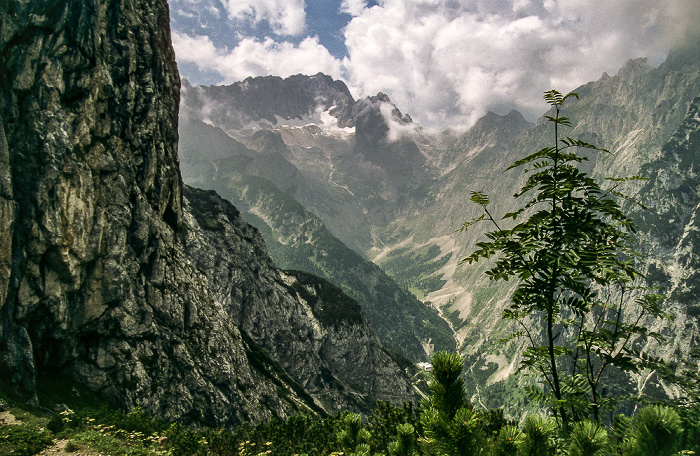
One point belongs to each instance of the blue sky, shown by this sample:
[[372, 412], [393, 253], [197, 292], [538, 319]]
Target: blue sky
[[324, 19], [444, 62]]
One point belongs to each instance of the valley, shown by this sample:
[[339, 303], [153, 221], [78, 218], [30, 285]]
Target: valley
[[397, 195], [275, 251]]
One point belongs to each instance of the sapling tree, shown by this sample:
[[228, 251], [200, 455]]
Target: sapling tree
[[573, 258]]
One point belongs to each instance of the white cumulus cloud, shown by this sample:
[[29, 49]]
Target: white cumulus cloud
[[252, 57], [353, 7], [447, 63], [286, 17]]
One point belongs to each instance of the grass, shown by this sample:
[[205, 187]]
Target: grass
[[95, 426], [111, 432], [117, 442], [23, 439]]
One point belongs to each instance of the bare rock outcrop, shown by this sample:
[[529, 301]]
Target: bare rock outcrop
[[95, 279]]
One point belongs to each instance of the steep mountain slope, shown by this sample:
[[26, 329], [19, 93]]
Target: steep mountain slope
[[316, 333], [643, 115], [96, 276], [670, 226], [357, 160], [299, 240], [634, 114]]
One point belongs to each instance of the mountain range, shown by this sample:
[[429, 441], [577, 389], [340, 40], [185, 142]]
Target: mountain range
[[220, 255], [363, 173]]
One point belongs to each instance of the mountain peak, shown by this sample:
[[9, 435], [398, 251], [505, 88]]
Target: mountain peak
[[380, 97], [271, 100], [514, 120], [634, 67], [493, 129]]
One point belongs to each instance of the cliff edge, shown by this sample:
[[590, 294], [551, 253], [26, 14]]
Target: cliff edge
[[96, 280]]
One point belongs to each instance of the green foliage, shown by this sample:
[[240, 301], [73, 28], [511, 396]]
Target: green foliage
[[450, 425], [492, 421], [111, 431], [690, 417], [572, 256], [299, 434], [461, 435], [119, 444], [588, 439], [509, 442], [447, 387], [388, 427], [353, 437], [540, 433], [23, 439], [182, 441], [437, 428], [655, 431], [405, 443]]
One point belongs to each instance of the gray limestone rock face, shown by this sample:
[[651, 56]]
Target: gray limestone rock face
[[93, 278], [96, 282], [309, 326]]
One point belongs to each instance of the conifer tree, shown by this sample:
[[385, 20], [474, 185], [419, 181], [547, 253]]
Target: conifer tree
[[405, 443], [588, 439], [509, 442], [451, 426], [655, 431], [539, 433], [353, 437]]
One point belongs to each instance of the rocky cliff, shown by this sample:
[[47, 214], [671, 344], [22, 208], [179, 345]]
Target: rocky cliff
[[315, 331], [299, 240], [95, 276]]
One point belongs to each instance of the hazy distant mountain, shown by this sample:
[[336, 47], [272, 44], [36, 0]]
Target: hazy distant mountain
[[397, 195], [270, 101], [297, 239]]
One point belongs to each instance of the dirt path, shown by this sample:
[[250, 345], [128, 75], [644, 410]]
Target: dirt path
[[59, 449]]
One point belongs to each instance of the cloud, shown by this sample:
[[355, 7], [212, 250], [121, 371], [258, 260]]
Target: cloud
[[252, 57], [353, 7], [447, 63], [397, 129], [286, 17], [194, 8]]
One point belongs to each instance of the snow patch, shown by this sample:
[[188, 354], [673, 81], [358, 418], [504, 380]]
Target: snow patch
[[323, 119]]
